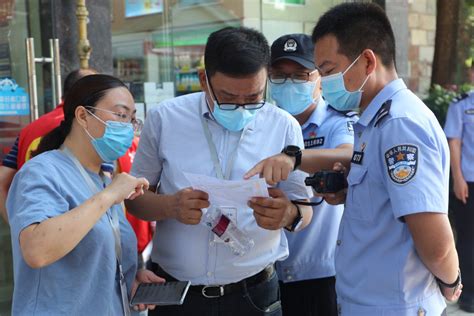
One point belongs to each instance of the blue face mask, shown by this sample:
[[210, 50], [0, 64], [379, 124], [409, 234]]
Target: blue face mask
[[336, 94], [234, 120], [115, 142], [294, 98]]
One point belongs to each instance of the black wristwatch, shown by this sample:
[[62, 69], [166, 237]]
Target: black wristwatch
[[453, 285], [293, 151], [298, 220]]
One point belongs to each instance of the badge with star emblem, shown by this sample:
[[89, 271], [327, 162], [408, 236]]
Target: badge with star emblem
[[313, 141], [402, 162]]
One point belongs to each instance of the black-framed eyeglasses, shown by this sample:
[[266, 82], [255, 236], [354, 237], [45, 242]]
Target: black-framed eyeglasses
[[122, 117], [296, 77], [235, 106]]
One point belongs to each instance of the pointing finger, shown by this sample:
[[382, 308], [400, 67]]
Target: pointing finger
[[257, 169]]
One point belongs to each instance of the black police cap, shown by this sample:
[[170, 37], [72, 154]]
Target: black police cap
[[295, 47]]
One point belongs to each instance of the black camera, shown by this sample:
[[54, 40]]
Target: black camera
[[327, 181]]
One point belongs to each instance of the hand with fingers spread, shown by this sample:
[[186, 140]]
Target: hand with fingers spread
[[274, 212], [188, 205], [125, 186], [144, 276], [274, 169]]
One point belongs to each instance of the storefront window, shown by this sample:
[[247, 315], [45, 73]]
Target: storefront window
[[162, 51]]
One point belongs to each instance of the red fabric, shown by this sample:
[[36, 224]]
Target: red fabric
[[143, 229], [37, 129]]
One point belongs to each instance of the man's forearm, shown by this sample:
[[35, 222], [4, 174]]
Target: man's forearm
[[3, 209], [455, 150], [324, 159], [6, 178], [434, 243], [445, 269], [151, 206]]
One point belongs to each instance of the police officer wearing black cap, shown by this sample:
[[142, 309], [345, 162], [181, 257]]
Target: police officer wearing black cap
[[307, 276]]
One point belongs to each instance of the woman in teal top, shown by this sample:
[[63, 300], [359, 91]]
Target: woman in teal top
[[71, 241]]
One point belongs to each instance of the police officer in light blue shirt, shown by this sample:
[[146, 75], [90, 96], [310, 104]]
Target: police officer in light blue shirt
[[220, 132], [395, 251], [459, 129], [308, 275]]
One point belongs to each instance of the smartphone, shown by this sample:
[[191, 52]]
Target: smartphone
[[168, 293]]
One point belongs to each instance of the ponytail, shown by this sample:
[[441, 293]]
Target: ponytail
[[54, 139]]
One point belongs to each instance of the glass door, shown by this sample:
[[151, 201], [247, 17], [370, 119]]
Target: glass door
[[19, 19]]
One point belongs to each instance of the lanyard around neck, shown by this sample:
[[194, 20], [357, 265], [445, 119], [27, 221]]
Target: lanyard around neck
[[213, 151], [114, 223]]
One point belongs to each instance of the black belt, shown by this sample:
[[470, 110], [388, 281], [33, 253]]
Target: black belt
[[215, 291]]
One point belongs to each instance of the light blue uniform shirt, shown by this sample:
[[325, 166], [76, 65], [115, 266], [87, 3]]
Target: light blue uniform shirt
[[460, 125], [85, 281], [312, 249], [400, 167], [173, 142]]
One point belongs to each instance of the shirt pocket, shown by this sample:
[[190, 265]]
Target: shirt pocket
[[358, 205], [468, 118]]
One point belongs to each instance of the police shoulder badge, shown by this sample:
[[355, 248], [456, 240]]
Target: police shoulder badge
[[402, 162]]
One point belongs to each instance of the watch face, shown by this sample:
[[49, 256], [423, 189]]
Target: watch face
[[292, 150]]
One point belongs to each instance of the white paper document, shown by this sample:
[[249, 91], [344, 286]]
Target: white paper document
[[229, 193]]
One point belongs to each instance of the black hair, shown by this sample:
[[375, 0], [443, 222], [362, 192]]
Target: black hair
[[358, 26], [74, 76], [87, 91], [236, 51]]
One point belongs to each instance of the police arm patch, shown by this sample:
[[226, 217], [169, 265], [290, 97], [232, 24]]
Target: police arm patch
[[401, 162]]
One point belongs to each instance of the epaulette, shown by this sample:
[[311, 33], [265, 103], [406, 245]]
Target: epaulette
[[349, 113], [460, 97], [383, 112]]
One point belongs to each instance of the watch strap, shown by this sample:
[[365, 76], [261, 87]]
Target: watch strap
[[293, 151], [450, 285], [298, 219], [297, 162]]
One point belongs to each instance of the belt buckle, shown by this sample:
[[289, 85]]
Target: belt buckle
[[221, 291]]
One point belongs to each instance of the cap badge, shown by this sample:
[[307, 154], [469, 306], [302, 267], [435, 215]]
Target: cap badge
[[290, 45]]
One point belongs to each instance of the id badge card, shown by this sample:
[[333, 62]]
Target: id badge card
[[230, 213]]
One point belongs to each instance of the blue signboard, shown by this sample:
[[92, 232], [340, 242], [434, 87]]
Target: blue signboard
[[13, 99], [135, 8]]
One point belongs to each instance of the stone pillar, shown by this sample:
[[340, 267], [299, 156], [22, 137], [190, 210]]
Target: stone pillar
[[414, 25], [422, 25], [59, 20], [397, 12]]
